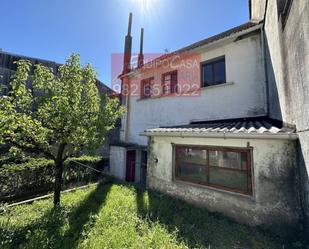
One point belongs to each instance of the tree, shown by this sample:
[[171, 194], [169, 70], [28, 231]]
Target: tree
[[58, 115]]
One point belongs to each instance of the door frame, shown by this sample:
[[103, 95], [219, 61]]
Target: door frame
[[130, 165]]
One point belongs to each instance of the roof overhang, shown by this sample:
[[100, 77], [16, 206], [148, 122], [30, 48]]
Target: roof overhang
[[224, 135]]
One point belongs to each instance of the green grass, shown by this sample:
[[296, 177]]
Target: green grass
[[123, 216]]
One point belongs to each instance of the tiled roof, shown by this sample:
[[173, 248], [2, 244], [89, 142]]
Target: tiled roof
[[256, 125]]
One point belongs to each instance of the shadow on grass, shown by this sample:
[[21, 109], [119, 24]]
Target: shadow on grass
[[29, 236], [84, 214], [50, 230], [197, 227]]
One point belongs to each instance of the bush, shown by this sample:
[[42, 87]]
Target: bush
[[36, 175]]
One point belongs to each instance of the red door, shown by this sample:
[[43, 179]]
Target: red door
[[130, 166]]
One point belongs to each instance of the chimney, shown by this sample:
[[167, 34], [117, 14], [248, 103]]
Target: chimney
[[141, 55], [127, 48]]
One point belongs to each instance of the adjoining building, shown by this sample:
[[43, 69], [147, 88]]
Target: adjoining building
[[8, 68]]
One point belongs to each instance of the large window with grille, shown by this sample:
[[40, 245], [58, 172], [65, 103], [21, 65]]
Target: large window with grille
[[219, 167]]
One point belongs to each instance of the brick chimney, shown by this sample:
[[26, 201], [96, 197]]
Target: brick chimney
[[141, 55], [127, 48]]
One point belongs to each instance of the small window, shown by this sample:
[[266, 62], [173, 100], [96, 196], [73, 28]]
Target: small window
[[146, 88], [169, 83], [218, 167], [213, 72]]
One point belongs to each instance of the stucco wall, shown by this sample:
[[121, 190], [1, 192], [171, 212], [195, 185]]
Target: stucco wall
[[245, 96], [288, 63], [296, 56], [275, 64], [274, 199], [257, 9], [118, 161]]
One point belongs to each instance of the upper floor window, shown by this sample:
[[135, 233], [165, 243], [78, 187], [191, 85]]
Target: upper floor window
[[219, 167], [146, 87], [169, 83], [213, 72]]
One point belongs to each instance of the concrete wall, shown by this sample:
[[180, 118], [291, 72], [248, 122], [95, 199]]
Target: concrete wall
[[118, 161], [288, 63], [274, 201], [275, 63], [242, 96], [257, 9], [296, 57]]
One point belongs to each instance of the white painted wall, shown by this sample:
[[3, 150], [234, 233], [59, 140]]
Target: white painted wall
[[275, 63], [245, 96], [118, 162], [274, 199], [257, 9]]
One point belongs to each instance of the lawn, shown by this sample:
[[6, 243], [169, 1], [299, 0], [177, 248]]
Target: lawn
[[123, 216]]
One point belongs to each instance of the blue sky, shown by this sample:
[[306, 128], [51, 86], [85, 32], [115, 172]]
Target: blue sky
[[53, 29]]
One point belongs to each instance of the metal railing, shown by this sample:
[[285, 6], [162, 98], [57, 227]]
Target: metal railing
[[82, 174]]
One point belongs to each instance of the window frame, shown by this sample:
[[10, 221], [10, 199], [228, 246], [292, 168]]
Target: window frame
[[143, 83], [174, 72], [249, 171], [212, 62]]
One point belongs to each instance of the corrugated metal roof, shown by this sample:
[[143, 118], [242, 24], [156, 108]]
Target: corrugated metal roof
[[257, 125]]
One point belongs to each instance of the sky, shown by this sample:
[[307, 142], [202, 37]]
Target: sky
[[53, 29]]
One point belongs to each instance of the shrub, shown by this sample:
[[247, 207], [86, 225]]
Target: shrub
[[36, 175]]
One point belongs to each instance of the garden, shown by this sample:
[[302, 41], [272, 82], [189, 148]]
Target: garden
[[115, 215]]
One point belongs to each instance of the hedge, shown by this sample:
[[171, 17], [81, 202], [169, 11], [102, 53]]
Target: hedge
[[36, 176]]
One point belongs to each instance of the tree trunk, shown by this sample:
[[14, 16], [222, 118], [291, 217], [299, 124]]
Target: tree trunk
[[58, 174], [58, 181]]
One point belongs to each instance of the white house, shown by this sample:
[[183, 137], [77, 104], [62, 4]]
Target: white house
[[197, 127]]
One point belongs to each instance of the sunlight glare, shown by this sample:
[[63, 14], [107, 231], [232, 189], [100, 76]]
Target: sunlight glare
[[145, 6]]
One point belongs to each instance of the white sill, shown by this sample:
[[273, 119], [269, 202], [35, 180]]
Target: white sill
[[218, 85], [248, 197]]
